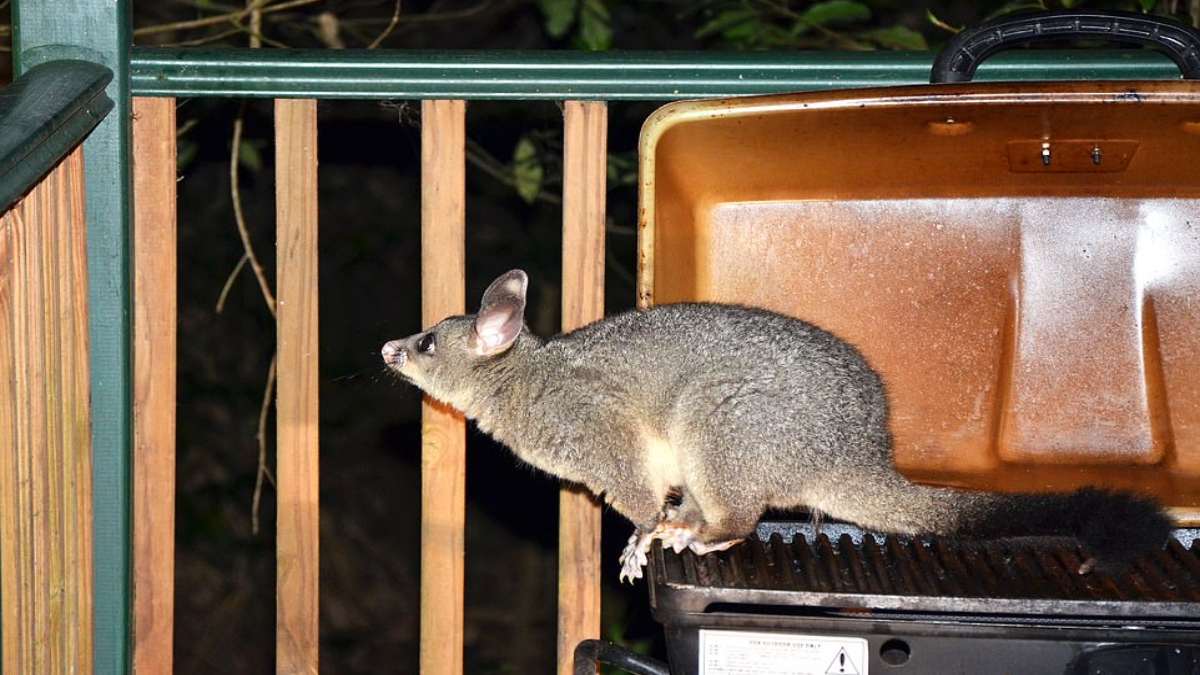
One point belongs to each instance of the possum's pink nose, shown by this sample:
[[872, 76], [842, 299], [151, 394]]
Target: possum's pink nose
[[394, 353]]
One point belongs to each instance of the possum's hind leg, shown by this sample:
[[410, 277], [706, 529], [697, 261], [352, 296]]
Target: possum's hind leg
[[705, 531], [680, 522], [651, 518], [725, 530], [635, 555], [679, 525]]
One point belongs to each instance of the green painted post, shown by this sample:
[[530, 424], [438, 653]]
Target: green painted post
[[100, 31]]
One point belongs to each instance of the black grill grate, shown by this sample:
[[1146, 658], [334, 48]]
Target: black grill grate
[[785, 564]]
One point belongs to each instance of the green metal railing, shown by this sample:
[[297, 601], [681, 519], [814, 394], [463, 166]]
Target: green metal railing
[[512, 75]]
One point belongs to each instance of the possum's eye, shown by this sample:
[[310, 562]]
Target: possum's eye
[[426, 344]]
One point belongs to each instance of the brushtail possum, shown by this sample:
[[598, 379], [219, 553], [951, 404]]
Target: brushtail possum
[[692, 419]]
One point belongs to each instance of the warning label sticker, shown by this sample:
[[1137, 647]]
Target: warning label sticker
[[725, 652]]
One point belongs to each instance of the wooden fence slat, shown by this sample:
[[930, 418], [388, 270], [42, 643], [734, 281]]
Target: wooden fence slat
[[45, 439], [76, 355], [584, 188], [155, 261], [443, 431], [297, 404]]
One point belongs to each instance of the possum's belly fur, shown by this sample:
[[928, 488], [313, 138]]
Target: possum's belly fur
[[662, 464]]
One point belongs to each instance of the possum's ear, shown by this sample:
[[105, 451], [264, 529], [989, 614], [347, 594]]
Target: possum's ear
[[501, 314]]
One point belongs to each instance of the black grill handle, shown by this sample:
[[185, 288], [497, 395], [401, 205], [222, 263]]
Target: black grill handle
[[963, 54], [590, 652]]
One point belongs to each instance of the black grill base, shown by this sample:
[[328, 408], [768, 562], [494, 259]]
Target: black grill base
[[932, 605], [954, 644]]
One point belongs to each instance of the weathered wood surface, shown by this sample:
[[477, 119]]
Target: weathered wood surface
[[443, 431], [297, 456], [45, 430], [155, 268], [584, 187]]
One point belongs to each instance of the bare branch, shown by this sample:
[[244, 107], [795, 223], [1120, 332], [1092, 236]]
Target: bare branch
[[207, 39], [256, 13], [229, 282], [240, 219], [228, 17], [186, 127], [431, 16], [264, 39], [261, 437], [483, 160], [390, 27]]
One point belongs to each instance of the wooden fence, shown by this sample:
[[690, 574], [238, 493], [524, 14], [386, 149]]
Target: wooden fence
[[443, 464]]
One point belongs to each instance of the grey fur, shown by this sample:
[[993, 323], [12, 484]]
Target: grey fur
[[734, 408]]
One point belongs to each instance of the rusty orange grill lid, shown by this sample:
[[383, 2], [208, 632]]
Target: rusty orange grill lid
[[1020, 262]]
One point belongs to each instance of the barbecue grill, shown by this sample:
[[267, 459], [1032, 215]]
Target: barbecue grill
[[931, 605], [1021, 263], [798, 599]]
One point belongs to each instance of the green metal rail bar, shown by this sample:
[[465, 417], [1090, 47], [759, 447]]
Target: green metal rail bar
[[44, 115], [389, 74]]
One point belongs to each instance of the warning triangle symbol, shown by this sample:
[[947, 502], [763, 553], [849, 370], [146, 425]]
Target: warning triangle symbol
[[842, 665]]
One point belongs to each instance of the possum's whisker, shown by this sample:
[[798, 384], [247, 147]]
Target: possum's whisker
[[351, 376]]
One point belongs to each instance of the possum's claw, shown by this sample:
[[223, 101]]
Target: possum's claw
[[633, 558], [701, 548]]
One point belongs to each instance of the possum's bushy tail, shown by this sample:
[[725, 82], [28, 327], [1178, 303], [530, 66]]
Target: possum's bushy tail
[[1114, 527]]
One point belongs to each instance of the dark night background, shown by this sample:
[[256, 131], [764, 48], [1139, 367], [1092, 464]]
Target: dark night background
[[370, 292]]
